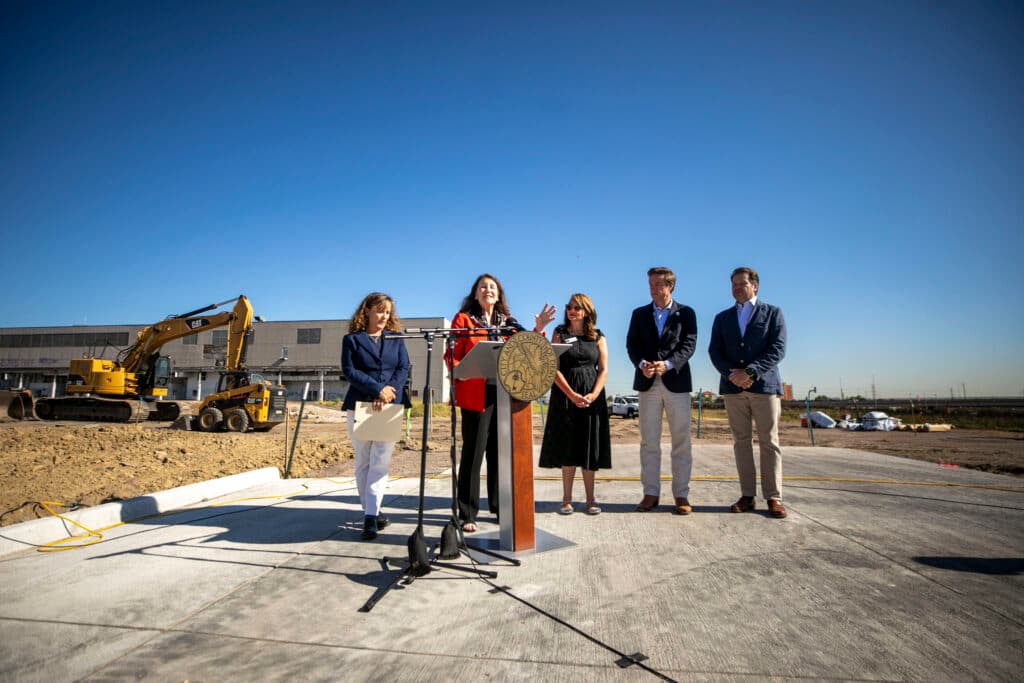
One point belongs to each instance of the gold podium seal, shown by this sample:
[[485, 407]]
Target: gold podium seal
[[527, 366]]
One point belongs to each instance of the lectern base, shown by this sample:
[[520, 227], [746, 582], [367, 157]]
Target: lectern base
[[491, 541]]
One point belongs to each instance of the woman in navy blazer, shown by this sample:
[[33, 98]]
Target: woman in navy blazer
[[376, 366]]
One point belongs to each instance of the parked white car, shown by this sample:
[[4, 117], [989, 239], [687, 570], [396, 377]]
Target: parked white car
[[624, 406]]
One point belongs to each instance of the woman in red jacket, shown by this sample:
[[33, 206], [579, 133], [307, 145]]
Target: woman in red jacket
[[483, 307]]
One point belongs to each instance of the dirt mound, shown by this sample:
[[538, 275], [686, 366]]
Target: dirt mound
[[87, 464]]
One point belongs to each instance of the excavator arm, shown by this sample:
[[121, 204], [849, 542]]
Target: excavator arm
[[151, 338], [238, 334]]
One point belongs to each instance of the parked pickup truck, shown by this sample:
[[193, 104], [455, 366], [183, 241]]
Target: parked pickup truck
[[624, 406]]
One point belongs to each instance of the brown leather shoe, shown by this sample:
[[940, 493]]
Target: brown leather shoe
[[744, 504], [647, 504], [682, 507], [776, 510]]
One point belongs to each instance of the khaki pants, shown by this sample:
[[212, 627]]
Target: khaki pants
[[653, 403], [746, 410]]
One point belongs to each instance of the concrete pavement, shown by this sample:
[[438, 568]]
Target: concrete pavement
[[886, 570]]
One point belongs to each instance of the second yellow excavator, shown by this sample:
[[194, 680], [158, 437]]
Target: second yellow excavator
[[244, 400]]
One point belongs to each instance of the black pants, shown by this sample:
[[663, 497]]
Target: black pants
[[479, 436]]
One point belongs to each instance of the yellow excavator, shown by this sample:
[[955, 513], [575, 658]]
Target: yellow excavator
[[132, 387]]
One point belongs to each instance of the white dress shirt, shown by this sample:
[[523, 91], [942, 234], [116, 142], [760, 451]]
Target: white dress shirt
[[660, 316], [744, 311]]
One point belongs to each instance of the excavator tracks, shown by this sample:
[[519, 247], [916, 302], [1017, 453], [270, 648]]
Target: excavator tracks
[[104, 409]]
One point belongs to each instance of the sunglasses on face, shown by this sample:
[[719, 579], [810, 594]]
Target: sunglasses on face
[[573, 307]]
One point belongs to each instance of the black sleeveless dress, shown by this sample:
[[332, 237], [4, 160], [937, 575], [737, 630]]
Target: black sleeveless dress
[[577, 436]]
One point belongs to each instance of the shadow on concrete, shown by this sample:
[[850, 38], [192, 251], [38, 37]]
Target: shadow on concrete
[[865, 492], [232, 533], [136, 508], [1004, 566], [280, 522]]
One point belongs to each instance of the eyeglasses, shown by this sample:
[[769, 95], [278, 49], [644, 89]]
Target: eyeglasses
[[573, 307]]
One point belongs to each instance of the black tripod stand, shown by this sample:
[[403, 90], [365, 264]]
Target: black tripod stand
[[419, 562]]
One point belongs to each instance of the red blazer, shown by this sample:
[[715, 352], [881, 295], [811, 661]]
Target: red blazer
[[469, 393]]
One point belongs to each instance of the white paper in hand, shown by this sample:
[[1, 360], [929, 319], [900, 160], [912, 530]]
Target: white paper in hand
[[385, 425]]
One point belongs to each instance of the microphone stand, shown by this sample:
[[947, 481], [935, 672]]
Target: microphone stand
[[419, 563]]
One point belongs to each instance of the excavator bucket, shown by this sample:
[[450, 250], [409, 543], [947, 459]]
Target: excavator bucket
[[16, 404]]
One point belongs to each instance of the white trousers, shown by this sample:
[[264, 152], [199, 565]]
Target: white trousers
[[373, 458], [653, 403]]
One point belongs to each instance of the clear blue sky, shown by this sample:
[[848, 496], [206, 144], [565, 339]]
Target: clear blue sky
[[866, 157]]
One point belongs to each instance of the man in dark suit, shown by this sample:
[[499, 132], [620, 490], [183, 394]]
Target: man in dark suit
[[661, 339], [748, 341]]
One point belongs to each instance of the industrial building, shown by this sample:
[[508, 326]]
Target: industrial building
[[293, 353]]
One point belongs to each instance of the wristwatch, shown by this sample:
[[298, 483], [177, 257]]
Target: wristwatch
[[750, 373]]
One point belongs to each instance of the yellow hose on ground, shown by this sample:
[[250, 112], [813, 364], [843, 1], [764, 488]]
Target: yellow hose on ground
[[94, 536]]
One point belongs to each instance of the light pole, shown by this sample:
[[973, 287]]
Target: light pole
[[810, 422], [700, 408]]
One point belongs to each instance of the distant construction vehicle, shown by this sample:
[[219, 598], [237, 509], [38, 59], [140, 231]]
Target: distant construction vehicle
[[244, 400], [132, 387]]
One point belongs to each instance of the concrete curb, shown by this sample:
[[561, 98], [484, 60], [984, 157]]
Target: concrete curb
[[37, 532]]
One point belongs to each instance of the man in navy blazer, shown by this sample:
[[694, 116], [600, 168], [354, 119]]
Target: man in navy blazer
[[661, 339], [748, 341]]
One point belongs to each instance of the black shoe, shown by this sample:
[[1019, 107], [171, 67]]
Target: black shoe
[[744, 504], [369, 528], [382, 522]]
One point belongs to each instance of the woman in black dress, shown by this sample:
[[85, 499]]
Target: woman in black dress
[[576, 433]]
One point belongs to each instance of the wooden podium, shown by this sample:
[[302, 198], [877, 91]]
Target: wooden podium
[[515, 446]]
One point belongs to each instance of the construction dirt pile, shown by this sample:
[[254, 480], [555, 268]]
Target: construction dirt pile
[[86, 463]]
